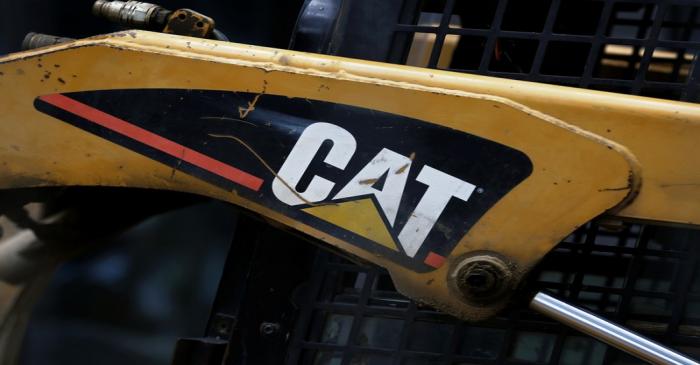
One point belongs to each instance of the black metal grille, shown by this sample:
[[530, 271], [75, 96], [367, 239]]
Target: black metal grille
[[640, 47], [642, 276]]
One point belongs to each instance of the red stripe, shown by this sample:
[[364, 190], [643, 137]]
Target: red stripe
[[153, 140], [434, 260]]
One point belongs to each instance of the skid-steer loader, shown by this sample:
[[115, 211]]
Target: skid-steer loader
[[478, 152]]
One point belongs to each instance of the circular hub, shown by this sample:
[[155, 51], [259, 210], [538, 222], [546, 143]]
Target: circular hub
[[482, 278]]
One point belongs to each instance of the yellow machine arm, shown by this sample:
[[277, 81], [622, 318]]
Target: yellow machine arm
[[457, 184]]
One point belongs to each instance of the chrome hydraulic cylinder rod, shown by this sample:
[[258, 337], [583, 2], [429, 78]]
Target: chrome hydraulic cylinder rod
[[607, 332]]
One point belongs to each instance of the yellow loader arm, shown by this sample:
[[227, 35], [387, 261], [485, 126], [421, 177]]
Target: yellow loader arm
[[457, 184]]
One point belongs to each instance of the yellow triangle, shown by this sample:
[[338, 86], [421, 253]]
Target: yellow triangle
[[357, 216]]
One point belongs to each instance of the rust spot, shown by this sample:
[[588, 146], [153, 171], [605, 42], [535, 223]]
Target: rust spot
[[176, 167], [47, 74], [368, 181], [402, 169], [20, 71], [74, 76], [2, 73], [57, 66], [614, 189], [430, 281], [39, 65], [244, 111], [61, 80]]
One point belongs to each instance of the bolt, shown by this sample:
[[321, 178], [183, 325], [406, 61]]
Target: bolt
[[222, 328], [223, 324], [483, 279], [269, 328]]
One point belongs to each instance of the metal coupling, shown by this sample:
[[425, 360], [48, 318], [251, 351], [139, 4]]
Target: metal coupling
[[38, 40], [135, 14]]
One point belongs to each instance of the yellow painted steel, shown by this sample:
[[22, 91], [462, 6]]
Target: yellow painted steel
[[577, 174]]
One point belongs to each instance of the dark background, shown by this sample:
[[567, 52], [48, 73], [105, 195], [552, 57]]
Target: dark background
[[128, 302]]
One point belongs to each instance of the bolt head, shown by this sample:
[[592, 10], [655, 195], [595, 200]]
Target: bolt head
[[269, 328], [482, 279]]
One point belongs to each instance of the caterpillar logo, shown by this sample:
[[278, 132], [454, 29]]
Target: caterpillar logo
[[391, 185], [382, 180]]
